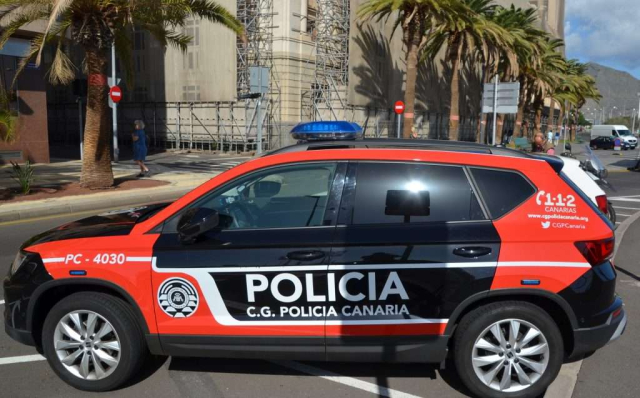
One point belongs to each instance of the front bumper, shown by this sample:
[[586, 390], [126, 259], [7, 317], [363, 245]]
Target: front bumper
[[590, 339], [21, 336]]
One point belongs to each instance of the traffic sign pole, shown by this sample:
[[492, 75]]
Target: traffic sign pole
[[116, 150], [399, 109]]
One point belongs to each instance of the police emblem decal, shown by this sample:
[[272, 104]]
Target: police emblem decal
[[178, 298]]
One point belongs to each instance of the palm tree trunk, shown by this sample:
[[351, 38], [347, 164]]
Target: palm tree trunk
[[518, 128], [454, 109], [552, 111], [561, 119], [96, 164], [410, 90], [538, 106], [482, 127], [500, 128]]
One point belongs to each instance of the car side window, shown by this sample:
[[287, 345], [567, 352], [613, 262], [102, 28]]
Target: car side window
[[442, 193], [502, 191], [282, 197]]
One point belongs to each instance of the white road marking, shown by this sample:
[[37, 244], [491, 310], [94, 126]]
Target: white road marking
[[636, 200], [1, 302], [618, 222], [347, 381], [22, 359], [624, 215], [626, 196], [626, 208]]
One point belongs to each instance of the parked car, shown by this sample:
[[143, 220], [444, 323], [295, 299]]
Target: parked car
[[607, 143], [334, 249]]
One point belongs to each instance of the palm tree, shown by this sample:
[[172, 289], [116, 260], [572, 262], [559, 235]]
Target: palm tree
[[526, 48], [416, 18], [95, 25], [574, 88], [542, 78], [474, 32]]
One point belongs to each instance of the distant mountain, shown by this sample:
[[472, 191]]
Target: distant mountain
[[619, 89]]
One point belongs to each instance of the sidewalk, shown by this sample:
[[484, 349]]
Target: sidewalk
[[183, 171]]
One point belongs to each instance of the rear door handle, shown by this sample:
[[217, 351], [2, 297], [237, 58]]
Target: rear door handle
[[306, 255], [472, 252]]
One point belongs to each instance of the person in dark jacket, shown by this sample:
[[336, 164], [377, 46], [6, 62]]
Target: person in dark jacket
[[140, 147]]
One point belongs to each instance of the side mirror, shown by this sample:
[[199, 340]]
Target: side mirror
[[195, 222], [407, 204], [567, 147]]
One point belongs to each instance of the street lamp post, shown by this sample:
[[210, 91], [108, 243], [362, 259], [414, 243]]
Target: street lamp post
[[638, 111]]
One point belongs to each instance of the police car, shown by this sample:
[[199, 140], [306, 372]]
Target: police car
[[334, 249]]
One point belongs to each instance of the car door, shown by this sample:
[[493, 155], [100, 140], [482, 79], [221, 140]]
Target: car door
[[412, 243], [257, 281]]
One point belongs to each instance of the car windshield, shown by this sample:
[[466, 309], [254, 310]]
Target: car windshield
[[624, 132]]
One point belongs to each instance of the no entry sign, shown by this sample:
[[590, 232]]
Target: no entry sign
[[399, 107], [115, 94]]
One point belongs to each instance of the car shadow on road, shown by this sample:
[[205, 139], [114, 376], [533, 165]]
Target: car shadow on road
[[379, 373]]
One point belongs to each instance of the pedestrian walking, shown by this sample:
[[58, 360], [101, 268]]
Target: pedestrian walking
[[140, 148], [542, 144]]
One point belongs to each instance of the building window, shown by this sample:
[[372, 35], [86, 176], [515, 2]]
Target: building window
[[312, 16], [191, 93], [192, 28], [140, 63], [191, 60], [138, 40]]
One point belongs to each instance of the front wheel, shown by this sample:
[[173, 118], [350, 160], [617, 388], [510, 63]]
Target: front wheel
[[508, 350], [93, 342]]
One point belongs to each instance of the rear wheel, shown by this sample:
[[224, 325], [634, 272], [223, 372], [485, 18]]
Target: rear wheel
[[611, 213], [508, 349], [93, 342]]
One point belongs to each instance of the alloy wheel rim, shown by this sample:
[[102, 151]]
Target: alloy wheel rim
[[87, 345], [510, 355]]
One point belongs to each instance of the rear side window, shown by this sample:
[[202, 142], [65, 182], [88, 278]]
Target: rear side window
[[445, 190], [502, 191]]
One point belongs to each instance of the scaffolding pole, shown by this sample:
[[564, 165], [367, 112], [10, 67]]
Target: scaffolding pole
[[329, 92]]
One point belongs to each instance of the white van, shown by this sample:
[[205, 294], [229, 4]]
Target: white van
[[612, 130]]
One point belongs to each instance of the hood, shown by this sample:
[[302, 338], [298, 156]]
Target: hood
[[112, 223]]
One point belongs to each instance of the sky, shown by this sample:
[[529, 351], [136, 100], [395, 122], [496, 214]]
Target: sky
[[604, 31]]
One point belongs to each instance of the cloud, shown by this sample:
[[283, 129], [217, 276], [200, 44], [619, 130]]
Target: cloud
[[604, 31]]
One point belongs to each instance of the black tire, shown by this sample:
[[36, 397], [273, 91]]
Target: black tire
[[133, 348], [611, 213], [475, 322]]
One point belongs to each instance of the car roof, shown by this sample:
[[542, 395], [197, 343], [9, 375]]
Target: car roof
[[376, 143]]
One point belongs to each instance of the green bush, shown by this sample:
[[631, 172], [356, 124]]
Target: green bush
[[23, 175]]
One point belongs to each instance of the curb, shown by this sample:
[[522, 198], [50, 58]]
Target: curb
[[564, 385], [91, 203]]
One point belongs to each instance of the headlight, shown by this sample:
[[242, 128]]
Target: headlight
[[20, 259]]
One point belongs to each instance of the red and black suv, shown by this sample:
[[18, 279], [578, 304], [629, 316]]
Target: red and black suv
[[364, 250]]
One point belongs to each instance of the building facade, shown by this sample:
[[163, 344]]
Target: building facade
[[323, 61]]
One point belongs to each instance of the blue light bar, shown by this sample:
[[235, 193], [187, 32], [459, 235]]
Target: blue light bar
[[327, 131]]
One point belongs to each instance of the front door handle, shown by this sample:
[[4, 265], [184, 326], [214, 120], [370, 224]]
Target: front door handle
[[472, 252], [306, 255]]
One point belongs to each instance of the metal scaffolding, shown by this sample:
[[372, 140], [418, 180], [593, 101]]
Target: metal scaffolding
[[256, 49], [329, 91]]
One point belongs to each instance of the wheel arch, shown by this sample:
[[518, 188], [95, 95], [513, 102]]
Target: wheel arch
[[554, 305], [50, 293]]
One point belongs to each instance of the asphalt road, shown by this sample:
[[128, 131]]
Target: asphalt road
[[609, 372]]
